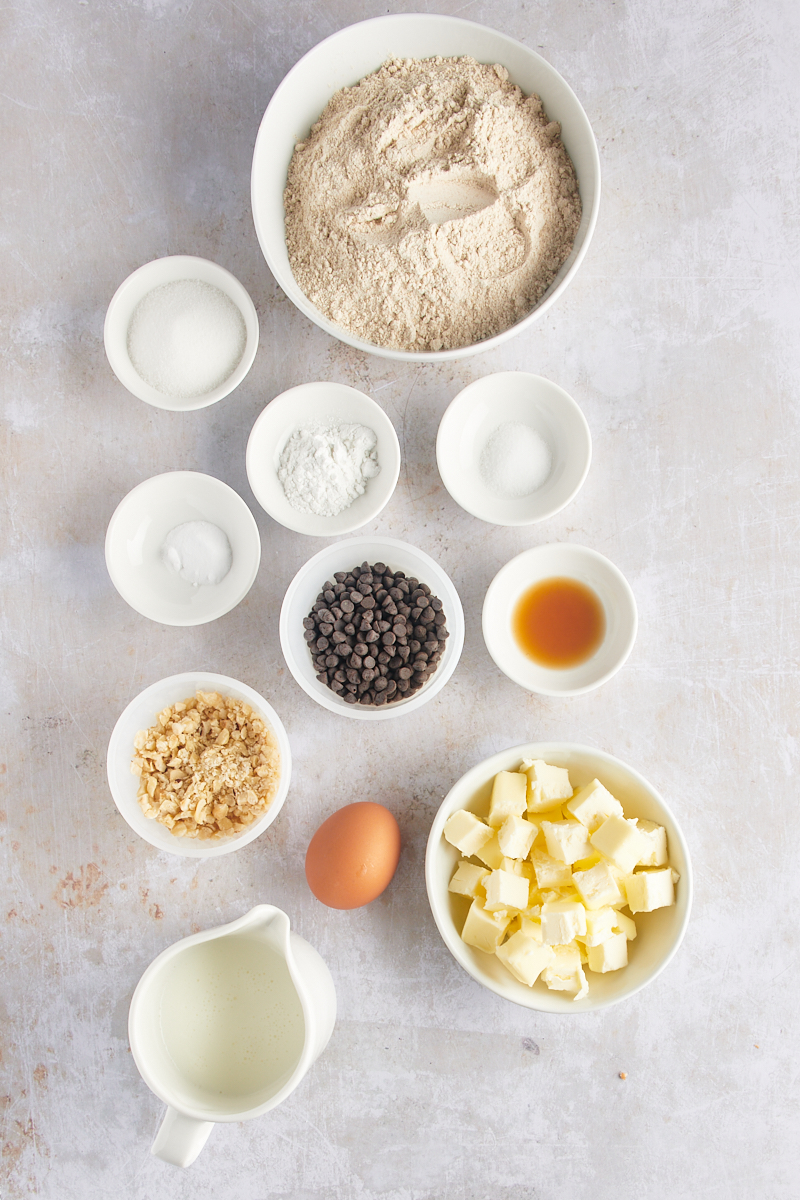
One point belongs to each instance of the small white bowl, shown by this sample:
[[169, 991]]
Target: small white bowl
[[342, 60], [140, 714], [556, 561], [479, 410], [302, 593], [135, 288], [327, 404], [659, 933], [136, 533]]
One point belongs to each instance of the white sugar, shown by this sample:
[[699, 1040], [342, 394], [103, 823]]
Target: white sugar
[[186, 338], [515, 461], [199, 552]]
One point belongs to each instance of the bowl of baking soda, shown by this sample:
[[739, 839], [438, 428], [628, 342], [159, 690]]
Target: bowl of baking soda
[[513, 448], [323, 459], [182, 548], [181, 333]]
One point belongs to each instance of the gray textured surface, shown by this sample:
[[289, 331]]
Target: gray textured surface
[[127, 132]]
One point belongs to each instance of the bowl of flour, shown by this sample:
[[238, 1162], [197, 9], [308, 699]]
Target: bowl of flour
[[323, 459], [424, 188]]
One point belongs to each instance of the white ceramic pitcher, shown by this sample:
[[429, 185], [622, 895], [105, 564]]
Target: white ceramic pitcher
[[223, 1025]]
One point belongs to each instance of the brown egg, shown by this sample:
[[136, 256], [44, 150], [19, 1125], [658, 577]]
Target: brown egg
[[353, 855]]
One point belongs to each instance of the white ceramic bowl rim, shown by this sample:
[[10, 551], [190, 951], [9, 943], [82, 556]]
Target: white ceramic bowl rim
[[482, 407], [141, 281], [347, 56], [330, 404], [143, 518], [141, 713], [308, 582], [569, 559], [620, 985]]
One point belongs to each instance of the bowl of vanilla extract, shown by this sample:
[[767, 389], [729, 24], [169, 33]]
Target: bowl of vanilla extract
[[559, 620]]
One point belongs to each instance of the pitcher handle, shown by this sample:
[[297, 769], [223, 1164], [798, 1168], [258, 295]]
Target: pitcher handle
[[180, 1138]]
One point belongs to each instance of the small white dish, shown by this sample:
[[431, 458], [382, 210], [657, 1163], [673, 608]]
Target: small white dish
[[140, 714], [342, 60], [660, 933], [557, 561], [135, 288], [319, 404], [136, 534], [479, 411], [302, 593]]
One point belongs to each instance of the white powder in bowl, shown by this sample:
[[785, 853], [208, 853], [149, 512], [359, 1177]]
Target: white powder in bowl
[[324, 468], [186, 338], [199, 552], [515, 461]]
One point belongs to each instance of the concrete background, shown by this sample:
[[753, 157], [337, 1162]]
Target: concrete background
[[127, 134]]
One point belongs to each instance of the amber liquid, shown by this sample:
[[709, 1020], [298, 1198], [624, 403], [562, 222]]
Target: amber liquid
[[558, 622]]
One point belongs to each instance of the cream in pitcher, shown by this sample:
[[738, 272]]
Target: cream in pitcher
[[223, 1025]]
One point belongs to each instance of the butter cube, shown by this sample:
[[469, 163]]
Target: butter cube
[[597, 886], [592, 804], [515, 866], [467, 879], [655, 837], [626, 925], [524, 957], [567, 840], [483, 929], [648, 890], [490, 853], [619, 840], [466, 832], [531, 928], [562, 921], [553, 782], [565, 973], [609, 955], [516, 837], [504, 890], [550, 872], [509, 792], [601, 923]]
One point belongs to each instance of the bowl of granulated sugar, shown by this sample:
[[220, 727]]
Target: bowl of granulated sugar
[[513, 448], [181, 333], [424, 188]]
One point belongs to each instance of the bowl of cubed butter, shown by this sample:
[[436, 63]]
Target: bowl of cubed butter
[[558, 877]]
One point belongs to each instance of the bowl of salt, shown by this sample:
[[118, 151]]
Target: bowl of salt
[[181, 333], [513, 448]]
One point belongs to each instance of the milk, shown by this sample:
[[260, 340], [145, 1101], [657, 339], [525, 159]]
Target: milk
[[230, 1017]]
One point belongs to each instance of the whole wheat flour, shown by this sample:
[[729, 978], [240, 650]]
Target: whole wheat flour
[[431, 205]]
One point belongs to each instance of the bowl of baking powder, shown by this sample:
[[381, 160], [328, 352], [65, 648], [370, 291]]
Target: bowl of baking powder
[[323, 459], [395, 200]]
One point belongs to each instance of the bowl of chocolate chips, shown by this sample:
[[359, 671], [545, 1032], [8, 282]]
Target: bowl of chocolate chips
[[371, 628]]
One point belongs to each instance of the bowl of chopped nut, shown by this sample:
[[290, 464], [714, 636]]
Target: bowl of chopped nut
[[558, 877], [199, 764]]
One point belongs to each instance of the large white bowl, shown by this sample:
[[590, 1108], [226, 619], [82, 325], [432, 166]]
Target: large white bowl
[[659, 933], [554, 561], [140, 714], [481, 408], [302, 593], [135, 288], [136, 533], [345, 58], [325, 404]]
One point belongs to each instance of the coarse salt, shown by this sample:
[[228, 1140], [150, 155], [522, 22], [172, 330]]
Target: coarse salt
[[186, 338], [515, 461], [199, 552]]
